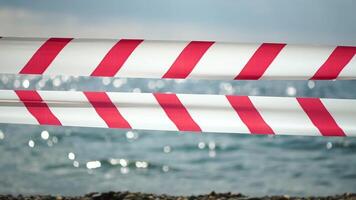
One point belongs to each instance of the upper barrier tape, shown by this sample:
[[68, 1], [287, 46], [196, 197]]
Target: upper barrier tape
[[163, 59], [181, 112]]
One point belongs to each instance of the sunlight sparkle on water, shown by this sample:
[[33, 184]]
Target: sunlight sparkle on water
[[212, 145], [75, 163], [165, 168], [141, 164], [26, 83], [31, 143], [311, 84], [2, 135], [167, 149], [291, 91], [201, 145], [329, 145], [124, 170], [44, 135], [93, 164], [71, 156]]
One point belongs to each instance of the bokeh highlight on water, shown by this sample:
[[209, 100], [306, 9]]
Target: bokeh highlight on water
[[73, 161]]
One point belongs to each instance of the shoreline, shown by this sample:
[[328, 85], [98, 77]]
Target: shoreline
[[147, 196]]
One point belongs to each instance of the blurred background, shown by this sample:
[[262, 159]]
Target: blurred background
[[74, 161]]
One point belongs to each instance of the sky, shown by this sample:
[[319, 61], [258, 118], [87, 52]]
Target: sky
[[299, 21]]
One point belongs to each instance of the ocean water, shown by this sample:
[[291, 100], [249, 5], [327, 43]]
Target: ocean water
[[75, 161]]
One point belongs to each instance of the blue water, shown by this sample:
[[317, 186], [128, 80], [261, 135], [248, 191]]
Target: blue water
[[56, 160]]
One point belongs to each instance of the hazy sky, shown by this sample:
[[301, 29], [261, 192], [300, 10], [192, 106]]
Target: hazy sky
[[297, 21]]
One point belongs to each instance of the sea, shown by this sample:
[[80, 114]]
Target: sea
[[75, 161]]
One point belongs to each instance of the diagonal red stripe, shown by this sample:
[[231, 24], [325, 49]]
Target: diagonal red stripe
[[176, 111], [107, 110], [37, 107], [188, 58], [320, 117], [336, 62], [44, 56], [116, 57], [260, 61], [249, 115]]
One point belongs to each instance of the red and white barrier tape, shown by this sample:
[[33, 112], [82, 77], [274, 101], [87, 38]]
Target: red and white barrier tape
[[181, 112], [159, 59]]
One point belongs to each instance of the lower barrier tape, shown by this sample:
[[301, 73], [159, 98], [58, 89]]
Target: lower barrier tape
[[181, 112]]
